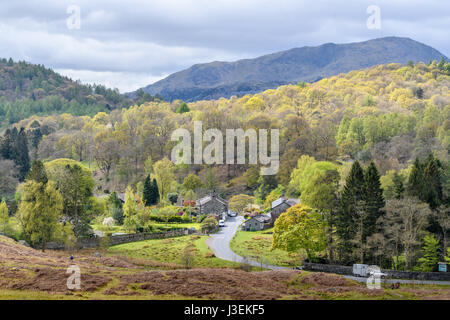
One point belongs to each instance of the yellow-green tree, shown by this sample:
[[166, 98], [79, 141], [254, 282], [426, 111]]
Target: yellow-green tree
[[4, 216], [130, 209], [239, 202], [164, 173], [300, 228], [40, 211]]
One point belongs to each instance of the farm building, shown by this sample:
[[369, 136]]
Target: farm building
[[281, 205], [212, 203], [257, 223]]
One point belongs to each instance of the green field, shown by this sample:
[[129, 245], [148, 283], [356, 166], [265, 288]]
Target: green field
[[256, 246], [171, 251]]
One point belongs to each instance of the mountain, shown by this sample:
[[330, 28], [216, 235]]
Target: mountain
[[28, 89], [225, 79]]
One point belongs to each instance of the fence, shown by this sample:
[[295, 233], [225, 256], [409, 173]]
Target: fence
[[394, 274], [94, 242]]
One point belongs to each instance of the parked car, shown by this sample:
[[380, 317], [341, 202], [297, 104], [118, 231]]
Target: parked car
[[221, 223], [232, 213]]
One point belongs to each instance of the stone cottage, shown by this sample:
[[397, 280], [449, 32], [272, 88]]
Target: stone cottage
[[257, 223], [281, 205], [212, 203]]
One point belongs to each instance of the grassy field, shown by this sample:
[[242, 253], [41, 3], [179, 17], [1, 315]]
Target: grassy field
[[170, 251], [128, 274], [256, 246]]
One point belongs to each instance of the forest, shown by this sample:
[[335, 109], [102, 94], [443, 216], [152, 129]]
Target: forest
[[27, 89], [367, 154]]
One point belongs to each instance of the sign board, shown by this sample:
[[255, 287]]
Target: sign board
[[442, 267]]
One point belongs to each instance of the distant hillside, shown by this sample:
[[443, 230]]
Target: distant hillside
[[27, 89], [225, 79]]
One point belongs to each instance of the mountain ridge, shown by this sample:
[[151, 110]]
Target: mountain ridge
[[218, 79]]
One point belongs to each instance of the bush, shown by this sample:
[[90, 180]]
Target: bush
[[188, 256]]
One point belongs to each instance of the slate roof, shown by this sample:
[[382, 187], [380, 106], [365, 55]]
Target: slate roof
[[262, 218], [291, 202], [209, 198]]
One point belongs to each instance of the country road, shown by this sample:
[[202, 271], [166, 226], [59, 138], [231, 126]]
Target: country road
[[220, 245]]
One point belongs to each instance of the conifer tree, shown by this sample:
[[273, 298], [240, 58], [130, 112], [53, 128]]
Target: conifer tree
[[374, 200], [37, 172], [416, 180], [155, 193], [353, 193], [20, 154], [432, 179], [399, 188], [148, 192]]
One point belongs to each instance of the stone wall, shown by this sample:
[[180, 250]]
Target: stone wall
[[345, 270], [94, 242]]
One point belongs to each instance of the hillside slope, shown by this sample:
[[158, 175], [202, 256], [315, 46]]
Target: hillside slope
[[27, 89], [224, 79], [30, 274]]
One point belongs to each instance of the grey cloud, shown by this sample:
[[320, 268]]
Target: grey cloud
[[149, 39]]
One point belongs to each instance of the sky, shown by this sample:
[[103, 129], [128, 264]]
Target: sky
[[133, 43]]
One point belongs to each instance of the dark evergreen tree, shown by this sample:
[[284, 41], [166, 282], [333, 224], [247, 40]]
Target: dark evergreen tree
[[148, 192], [352, 194], [373, 197], [433, 185], [155, 193], [20, 154], [399, 188], [415, 186], [37, 172], [7, 144]]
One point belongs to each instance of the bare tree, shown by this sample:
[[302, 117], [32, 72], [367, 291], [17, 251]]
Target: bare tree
[[412, 216]]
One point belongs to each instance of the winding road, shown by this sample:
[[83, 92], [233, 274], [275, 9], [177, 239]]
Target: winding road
[[220, 245]]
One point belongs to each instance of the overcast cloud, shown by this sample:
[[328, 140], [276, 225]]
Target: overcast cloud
[[130, 44]]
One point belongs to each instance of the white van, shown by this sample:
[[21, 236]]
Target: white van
[[221, 223]]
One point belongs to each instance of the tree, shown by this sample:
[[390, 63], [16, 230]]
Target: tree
[[148, 192], [319, 190], [115, 208], [164, 174], [182, 108], [8, 180], [433, 185], [75, 183], [411, 215], [399, 188], [172, 197], [40, 212], [373, 198], [210, 179], [209, 225], [415, 186], [130, 209], [300, 227], [192, 182], [345, 219], [4, 216], [37, 172], [273, 195], [430, 258], [442, 217], [20, 154], [239, 202], [266, 185]]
